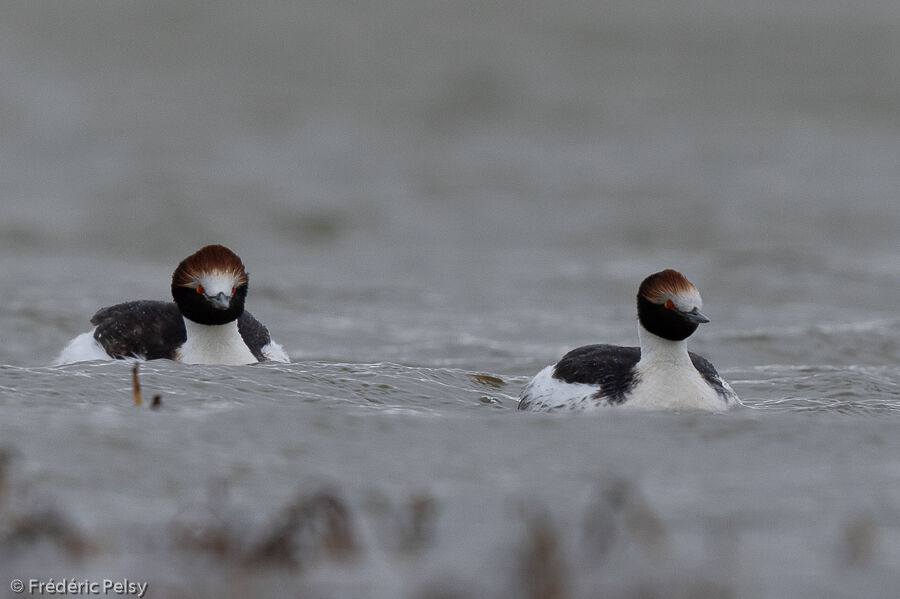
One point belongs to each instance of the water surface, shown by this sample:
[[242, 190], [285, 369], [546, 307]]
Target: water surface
[[434, 201]]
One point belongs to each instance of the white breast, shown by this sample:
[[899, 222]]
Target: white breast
[[672, 386], [667, 380], [214, 344]]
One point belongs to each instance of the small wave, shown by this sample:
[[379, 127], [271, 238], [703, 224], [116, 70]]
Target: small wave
[[379, 386], [853, 389]]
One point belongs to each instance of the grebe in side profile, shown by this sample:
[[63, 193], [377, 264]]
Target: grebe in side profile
[[206, 324], [661, 374]]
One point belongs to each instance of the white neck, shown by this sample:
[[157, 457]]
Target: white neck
[[668, 380], [214, 344], [656, 350]]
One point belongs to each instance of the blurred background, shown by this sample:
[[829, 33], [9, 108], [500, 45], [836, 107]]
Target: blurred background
[[435, 200], [486, 157]]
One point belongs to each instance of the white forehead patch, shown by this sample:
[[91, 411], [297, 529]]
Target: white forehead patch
[[217, 282], [687, 300]]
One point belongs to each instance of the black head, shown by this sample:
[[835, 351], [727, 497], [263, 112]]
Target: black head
[[669, 305], [210, 286]]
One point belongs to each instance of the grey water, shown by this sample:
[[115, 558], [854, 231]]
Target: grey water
[[434, 200]]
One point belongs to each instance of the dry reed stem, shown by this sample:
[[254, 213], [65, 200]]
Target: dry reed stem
[[135, 385]]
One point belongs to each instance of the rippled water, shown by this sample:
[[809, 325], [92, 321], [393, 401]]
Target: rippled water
[[434, 201]]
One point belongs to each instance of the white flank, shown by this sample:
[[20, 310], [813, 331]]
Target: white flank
[[274, 352], [545, 392], [83, 348], [214, 344]]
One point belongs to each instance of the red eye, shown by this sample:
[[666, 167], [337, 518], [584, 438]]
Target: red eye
[[669, 304], [200, 289]]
